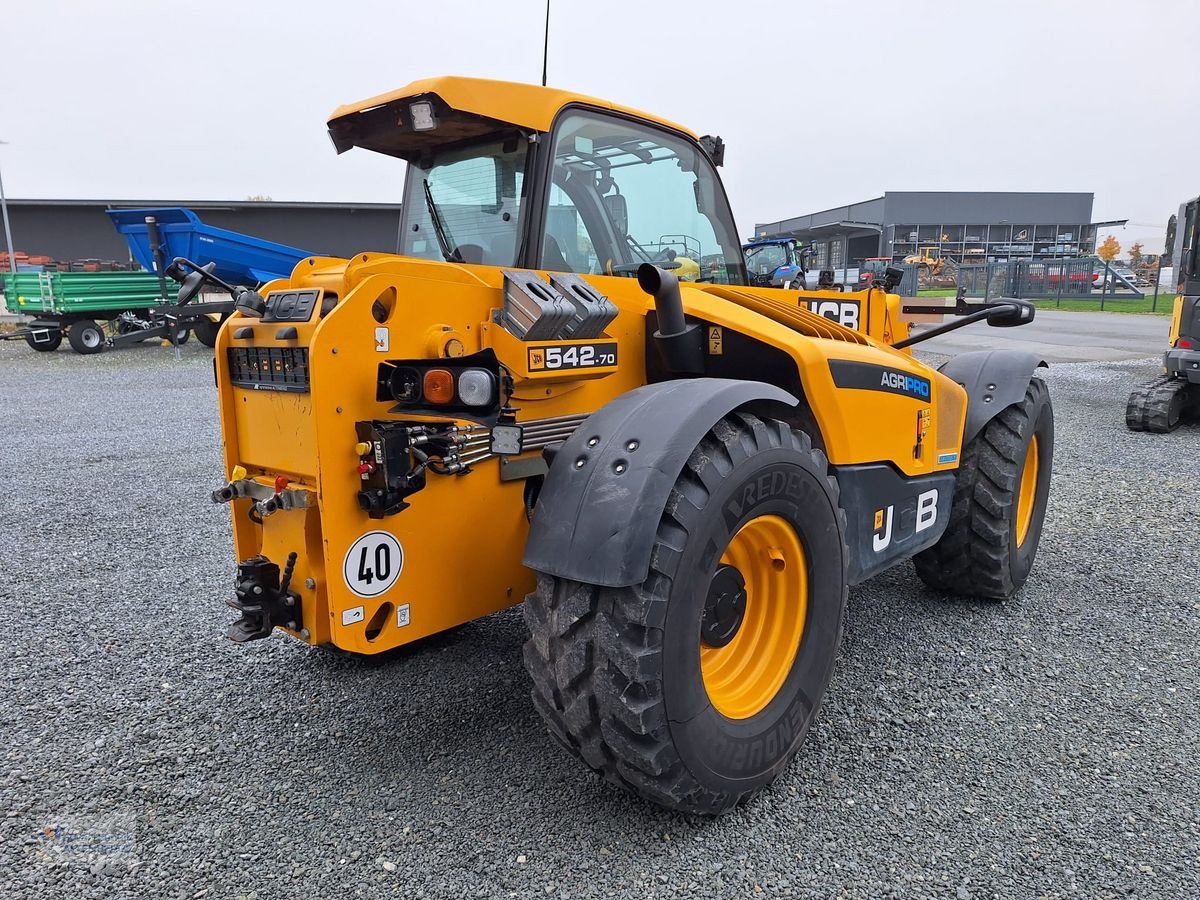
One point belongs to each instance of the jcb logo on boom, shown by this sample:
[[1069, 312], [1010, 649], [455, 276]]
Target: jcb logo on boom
[[844, 312], [886, 526]]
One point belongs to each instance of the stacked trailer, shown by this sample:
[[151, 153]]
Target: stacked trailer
[[94, 310], [73, 304]]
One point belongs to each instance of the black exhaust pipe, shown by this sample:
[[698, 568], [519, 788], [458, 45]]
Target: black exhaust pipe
[[680, 345]]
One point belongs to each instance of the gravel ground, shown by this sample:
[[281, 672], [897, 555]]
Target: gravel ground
[[1041, 747]]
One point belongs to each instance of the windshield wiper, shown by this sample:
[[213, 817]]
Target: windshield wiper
[[449, 252]]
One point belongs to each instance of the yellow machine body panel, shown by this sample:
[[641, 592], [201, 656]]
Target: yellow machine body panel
[[527, 105], [1176, 319], [462, 535]]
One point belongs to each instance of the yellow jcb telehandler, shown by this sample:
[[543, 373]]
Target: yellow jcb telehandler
[[680, 480]]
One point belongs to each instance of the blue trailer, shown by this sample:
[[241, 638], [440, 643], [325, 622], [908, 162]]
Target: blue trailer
[[163, 233]]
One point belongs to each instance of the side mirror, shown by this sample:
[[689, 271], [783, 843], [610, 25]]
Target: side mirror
[[892, 278], [618, 213], [191, 283], [1011, 313]]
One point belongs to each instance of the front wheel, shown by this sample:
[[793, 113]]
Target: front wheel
[[695, 688], [85, 337], [1000, 496]]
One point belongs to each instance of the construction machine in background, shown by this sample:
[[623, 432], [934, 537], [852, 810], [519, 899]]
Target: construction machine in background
[[930, 264], [680, 479], [1174, 397]]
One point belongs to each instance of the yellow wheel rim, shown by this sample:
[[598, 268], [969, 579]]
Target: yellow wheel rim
[[1027, 492], [745, 674]]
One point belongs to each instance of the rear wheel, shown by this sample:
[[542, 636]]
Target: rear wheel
[[206, 332], [999, 504], [695, 688], [52, 341], [85, 337]]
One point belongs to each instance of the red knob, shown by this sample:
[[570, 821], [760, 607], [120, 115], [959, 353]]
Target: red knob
[[281, 482], [366, 468]]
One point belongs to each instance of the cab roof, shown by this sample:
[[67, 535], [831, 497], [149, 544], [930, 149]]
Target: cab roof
[[463, 108]]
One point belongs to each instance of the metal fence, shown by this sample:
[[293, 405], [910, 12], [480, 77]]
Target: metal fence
[[1048, 279]]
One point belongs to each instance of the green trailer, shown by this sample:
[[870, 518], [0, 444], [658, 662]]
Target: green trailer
[[95, 309]]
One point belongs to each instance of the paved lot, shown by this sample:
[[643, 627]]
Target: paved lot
[[1045, 747], [1067, 337]]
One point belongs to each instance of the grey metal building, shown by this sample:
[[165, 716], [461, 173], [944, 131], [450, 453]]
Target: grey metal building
[[966, 227], [78, 229]]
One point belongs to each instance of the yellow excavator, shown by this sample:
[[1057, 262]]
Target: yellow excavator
[[1174, 397]]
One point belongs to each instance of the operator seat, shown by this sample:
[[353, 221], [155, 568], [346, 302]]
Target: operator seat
[[552, 256]]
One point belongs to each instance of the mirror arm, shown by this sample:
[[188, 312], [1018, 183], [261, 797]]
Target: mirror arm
[[976, 316], [208, 276], [969, 313]]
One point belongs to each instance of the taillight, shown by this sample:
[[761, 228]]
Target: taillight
[[1183, 344], [439, 386], [445, 385]]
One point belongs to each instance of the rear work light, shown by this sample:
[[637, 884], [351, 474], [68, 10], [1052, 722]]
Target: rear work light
[[476, 387]]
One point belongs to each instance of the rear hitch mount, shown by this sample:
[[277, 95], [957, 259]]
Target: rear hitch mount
[[263, 600]]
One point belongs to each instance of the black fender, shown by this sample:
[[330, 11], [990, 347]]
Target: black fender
[[994, 380], [599, 508]]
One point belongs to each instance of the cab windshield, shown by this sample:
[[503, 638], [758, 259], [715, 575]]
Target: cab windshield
[[464, 204], [623, 193], [765, 259]]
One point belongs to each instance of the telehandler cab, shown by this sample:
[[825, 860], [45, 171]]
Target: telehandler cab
[[681, 480]]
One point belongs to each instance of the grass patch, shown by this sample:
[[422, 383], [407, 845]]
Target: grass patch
[[1163, 308]]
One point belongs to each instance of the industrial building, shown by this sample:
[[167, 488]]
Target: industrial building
[[73, 230], [966, 227]]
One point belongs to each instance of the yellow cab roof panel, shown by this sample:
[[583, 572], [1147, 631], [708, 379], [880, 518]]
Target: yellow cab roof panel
[[528, 106]]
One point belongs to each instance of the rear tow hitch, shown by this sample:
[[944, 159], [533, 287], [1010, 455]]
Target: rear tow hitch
[[263, 600]]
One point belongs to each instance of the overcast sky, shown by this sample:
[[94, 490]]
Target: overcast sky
[[820, 103]]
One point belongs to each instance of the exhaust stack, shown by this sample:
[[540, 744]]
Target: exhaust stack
[[680, 345]]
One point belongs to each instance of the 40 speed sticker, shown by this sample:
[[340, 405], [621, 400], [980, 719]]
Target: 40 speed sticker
[[373, 564], [552, 357]]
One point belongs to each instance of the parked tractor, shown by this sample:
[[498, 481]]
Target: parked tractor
[[778, 262], [681, 480]]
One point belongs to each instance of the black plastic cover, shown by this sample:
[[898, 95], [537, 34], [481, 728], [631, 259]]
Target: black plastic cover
[[890, 517]]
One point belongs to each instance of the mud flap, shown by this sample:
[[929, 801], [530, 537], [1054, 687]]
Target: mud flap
[[598, 512]]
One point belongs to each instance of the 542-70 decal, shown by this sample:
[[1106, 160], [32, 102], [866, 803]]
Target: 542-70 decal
[[553, 357]]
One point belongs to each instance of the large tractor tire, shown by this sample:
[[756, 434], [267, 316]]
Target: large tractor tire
[[53, 342], [999, 504], [695, 688], [85, 336]]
